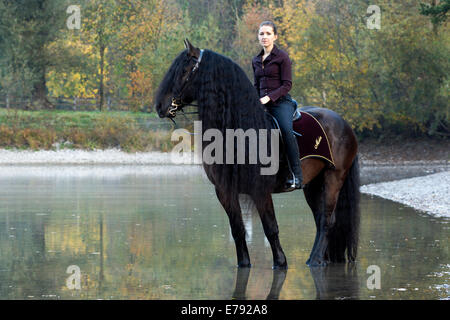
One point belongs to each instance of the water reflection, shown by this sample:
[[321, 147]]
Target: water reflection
[[240, 289], [277, 283], [338, 281], [242, 276], [150, 235]]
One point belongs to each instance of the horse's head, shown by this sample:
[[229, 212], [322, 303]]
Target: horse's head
[[177, 89]]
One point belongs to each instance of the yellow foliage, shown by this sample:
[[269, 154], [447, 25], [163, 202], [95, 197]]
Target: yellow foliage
[[140, 89], [338, 74], [75, 83]]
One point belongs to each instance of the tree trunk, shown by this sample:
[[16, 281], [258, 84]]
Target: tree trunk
[[39, 96], [101, 89], [435, 25]]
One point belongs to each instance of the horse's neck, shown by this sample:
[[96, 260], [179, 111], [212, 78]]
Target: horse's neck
[[215, 120]]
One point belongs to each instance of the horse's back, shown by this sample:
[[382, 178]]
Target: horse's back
[[342, 138], [323, 114]]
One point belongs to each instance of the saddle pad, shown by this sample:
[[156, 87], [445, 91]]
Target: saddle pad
[[312, 141]]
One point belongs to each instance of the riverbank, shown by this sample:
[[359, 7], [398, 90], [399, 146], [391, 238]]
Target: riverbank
[[427, 193], [414, 173], [401, 151]]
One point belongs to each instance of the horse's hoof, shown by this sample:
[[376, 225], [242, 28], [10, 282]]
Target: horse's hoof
[[283, 266], [317, 263], [244, 265], [280, 267]]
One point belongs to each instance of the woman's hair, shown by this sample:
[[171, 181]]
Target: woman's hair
[[269, 23]]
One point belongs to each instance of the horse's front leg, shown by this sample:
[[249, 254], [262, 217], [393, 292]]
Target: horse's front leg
[[231, 205]]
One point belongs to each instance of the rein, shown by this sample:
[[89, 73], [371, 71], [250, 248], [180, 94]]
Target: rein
[[184, 114], [177, 103]]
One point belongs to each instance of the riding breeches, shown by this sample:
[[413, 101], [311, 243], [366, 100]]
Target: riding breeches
[[283, 111]]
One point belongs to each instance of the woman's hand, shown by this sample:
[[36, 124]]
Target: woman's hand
[[264, 100]]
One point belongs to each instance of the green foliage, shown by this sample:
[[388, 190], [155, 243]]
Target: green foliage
[[410, 66], [27, 28], [438, 12], [393, 79]]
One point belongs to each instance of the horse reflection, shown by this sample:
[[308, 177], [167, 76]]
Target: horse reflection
[[339, 281], [242, 279]]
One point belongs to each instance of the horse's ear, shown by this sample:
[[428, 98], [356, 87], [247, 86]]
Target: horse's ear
[[192, 51]]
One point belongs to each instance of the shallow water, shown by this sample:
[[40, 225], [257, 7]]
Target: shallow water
[[160, 233]]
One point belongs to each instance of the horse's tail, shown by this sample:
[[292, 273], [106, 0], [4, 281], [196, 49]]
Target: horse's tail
[[344, 234]]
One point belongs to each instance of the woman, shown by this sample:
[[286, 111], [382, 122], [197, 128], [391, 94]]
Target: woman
[[272, 69]]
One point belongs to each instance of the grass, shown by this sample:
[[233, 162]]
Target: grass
[[49, 130], [66, 118]]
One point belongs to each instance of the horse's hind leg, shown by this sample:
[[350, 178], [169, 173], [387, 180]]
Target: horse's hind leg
[[314, 194], [233, 210], [264, 205], [324, 215]]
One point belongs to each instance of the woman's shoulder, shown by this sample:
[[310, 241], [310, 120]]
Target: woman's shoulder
[[258, 56], [282, 52]]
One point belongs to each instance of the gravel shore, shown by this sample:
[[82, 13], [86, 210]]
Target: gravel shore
[[79, 157], [429, 192]]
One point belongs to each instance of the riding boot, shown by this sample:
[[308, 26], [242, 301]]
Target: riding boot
[[295, 180], [282, 111]]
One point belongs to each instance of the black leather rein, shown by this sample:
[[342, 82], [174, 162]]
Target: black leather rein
[[177, 104]]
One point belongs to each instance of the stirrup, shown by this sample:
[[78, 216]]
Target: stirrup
[[293, 183]]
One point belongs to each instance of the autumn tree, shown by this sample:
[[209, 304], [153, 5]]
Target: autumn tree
[[142, 26], [393, 78], [99, 22], [245, 44], [28, 27]]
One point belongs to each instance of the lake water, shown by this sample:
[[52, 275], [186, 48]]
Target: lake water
[[159, 232]]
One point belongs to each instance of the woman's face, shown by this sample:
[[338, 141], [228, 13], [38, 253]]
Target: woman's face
[[266, 36]]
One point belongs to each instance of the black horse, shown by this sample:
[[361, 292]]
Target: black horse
[[227, 100]]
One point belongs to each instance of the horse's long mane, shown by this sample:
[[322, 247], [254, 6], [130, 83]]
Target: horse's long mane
[[228, 100], [225, 89], [222, 88]]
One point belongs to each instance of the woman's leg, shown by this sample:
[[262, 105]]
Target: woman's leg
[[283, 112]]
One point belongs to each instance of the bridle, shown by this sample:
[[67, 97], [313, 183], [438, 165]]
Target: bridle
[[177, 103]]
